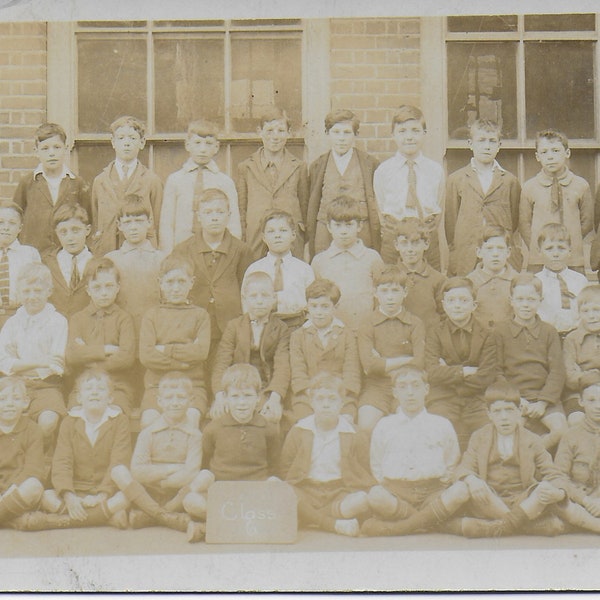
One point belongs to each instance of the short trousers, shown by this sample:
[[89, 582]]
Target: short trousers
[[45, 394], [378, 394], [416, 493], [323, 495]]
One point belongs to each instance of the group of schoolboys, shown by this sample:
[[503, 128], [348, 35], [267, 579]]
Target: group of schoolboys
[[358, 378]]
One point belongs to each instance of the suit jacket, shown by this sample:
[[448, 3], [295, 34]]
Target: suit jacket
[[368, 164], [33, 196], [236, 344], [108, 194]]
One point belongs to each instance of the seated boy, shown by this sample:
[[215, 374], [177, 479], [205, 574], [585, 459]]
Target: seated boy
[[67, 265], [102, 334], [492, 276], [530, 357], [49, 186], [348, 263], [261, 339], [343, 171], [460, 358], [327, 462], [183, 188], [501, 468], [291, 276], [13, 255], [174, 336], [388, 339], [32, 345], [166, 460], [580, 351], [560, 285], [323, 343], [413, 455], [123, 176], [423, 282]]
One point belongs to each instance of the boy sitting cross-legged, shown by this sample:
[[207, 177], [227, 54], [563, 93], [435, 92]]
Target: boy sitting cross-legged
[[326, 460]]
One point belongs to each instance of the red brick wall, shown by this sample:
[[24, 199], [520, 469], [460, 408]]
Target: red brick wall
[[374, 69], [22, 98]]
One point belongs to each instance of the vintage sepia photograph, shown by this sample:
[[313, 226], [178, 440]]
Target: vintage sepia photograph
[[299, 297]]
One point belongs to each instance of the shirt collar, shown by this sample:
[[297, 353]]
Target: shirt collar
[[285, 258], [424, 271], [160, 425], [14, 246], [256, 421], [495, 167], [66, 172], [95, 311], [335, 323], [546, 180], [63, 254], [122, 164], [189, 165], [222, 248], [264, 162], [416, 159], [545, 272], [111, 412], [44, 315], [454, 327], [506, 274], [145, 246], [343, 425], [534, 329], [403, 316], [356, 251]]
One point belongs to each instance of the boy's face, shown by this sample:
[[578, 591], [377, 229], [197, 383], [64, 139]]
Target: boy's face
[[344, 233], [410, 391], [72, 235], [94, 395], [213, 216], [342, 137], [525, 301], [242, 403], [552, 156], [505, 416], [259, 299], [412, 249], [13, 402], [409, 137], [51, 154], [127, 143], [556, 253], [590, 402], [459, 305], [174, 400], [201, 149], [494, 254], [135, 228], [321, 311], [390, 297], [175, 285], [485, 145], [10, 226], [103, 289], [326, 404], [34, 295], [278, 236], [589, 314], [274, 135]]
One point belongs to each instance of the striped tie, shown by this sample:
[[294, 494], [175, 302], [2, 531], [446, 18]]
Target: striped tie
[[4, 278], [75, 277]]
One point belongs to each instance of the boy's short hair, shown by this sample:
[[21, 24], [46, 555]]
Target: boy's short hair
[[526, 279], [554, 232], [454, 283], [94, 373], [203, 128], [486, 125], [275, 114], [128, 121], [390, 274], [327, 381], [341, 116], [324, 287], [591, 379], [14, 381], [257, 277], [502, 391], [343, 209], [48, 130], [407, 112], [276, 213], [4, 203], [552, 134], [134, 206], [175, 379], [208, 195], [176, 261], [492, 231], [241, 376], [408, 370], [411, 228], [590, 293], [101, 265], [70, 210], [35, 271]]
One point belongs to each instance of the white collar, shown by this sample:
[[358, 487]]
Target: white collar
[[343, 425], [189, 165], [65, 173]]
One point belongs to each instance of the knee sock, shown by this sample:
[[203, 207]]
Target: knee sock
[[137, 494], [12, 505], [432, 514]]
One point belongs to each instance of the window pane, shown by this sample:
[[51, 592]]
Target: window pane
[[111, 81], [105, 24], [481, 85], [264, 22], [483, 23], [169, 158], [265, 72], [559, 87], [209, 23], [189, 76], [582, 22]]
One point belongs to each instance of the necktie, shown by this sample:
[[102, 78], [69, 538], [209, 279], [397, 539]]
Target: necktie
[[463, 345], [125, 172], [75, 277], [278, 278], [4, 278], [272, 173], [565, 295], [198, 189], [556, 200], [412, 200]]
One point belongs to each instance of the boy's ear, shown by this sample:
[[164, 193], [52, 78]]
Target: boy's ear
[[360, 225], [88, 229], [328, 227], [537, 156], [142, 143], [568, 152]]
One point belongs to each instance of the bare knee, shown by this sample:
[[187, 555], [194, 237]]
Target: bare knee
[[457, 493], [31, 490], [121, 476], [368, 417], [48, 422], [195, 505], [378, 497]]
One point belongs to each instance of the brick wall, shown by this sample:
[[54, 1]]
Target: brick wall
[[22, 98], [374, 69]]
